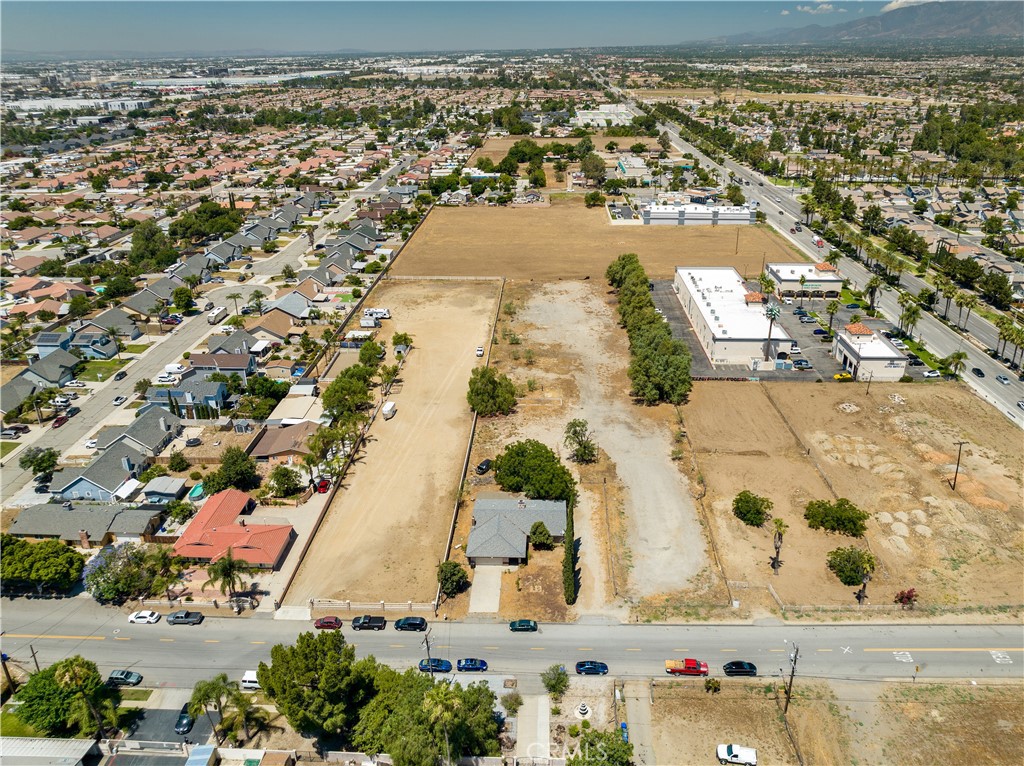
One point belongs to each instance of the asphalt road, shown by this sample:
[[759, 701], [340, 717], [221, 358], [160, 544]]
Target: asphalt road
[[179, 655], [184, 337]]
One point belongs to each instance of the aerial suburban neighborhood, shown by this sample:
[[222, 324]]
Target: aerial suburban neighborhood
[[393, 385]]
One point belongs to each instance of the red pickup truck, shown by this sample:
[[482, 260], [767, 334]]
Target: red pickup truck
[[688, 667]]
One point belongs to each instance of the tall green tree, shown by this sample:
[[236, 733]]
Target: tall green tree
[[489, 393], [535, 470], [211, 693], [228, 574]]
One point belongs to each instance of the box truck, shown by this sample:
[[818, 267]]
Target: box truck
[[388, 410]]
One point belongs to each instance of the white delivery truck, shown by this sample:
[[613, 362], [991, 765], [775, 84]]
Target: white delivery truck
[[249, 682], [388, 410], [174, 369], [217, 314]]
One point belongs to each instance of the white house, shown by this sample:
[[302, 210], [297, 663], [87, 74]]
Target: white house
[[866, 355]]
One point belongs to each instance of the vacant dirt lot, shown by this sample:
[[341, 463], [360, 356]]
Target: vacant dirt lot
[[890, 453], [688, 723], [387, 527], [568, 241]]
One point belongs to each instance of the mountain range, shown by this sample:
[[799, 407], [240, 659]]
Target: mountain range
[[927, 21]]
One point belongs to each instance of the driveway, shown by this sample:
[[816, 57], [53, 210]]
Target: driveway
[[485, 595], [638, 718], [158, 726]]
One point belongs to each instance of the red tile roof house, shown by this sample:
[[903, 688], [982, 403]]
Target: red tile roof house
[[221, 524]]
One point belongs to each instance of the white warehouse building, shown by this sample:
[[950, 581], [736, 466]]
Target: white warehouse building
[[679, 214], [729, 320], [866, 355]]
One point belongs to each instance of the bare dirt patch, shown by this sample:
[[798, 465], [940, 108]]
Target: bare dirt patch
[[387, 527], [534, 591], [569, 241], [891, 457], [688, 723]]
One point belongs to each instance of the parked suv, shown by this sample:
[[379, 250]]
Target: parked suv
[[369, 622], [124, 678], [411, 623]]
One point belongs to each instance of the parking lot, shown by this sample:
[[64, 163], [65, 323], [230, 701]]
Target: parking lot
[[158, 726]]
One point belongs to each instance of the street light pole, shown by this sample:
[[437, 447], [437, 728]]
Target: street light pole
[[792, 672], [959, 452]]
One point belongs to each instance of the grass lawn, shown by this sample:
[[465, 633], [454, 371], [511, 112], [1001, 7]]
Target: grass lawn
[[134, 405], [12, 726], [96, 370], [6, 448], [926, 356], [346, 298], [136, 695], [136, 348]]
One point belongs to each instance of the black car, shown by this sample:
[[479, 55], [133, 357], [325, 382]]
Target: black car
[[183, 617], [120, 375], [185, 721], [484, 467], [591, 668], [523, 626], [740, 668], [411, 623], [42, 489], [977, 372]]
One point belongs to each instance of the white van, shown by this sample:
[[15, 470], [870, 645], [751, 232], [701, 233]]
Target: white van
[[388, 410], [249, 682]]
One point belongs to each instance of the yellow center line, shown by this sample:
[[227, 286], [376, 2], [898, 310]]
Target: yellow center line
[[490, 647], [634, 650], [824, 650], [168, 640], [211, 641], [776, 650], [585, 649], [727, 650], [121, 638], [442, 646], [257, 642], [59, 638], [397, 646], [948, 649], [680, 650], [536, 648]]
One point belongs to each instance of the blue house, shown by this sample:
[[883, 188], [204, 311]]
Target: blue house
[[111, 476], [45, 343], [186, 396]]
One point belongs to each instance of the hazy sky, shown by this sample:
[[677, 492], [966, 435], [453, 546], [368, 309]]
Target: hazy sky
[[170, 26]]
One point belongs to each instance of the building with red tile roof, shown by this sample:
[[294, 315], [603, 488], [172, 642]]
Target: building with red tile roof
[[221, 525]]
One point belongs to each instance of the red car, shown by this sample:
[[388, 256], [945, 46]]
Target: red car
[[322, 485], [59, 421], [328, 623]]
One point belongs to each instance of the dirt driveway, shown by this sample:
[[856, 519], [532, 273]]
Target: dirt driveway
[[387, 527]]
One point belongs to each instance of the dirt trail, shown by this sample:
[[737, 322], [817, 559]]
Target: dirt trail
[[662, 519]]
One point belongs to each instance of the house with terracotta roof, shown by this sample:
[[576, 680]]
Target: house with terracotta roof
[[221, 525]]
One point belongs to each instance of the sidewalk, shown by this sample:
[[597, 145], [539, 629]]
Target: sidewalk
[[638, 718], [534, 727]]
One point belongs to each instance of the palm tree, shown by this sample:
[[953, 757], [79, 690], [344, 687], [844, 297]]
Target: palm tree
[[256, 301], [955, 362], [234, 297], [949, 292], [970, 303], [872, 287], [803, 281], [243, 714], [441, 703], [192, 281], [166, 568], [833, 257], [211, 693], [387, 374], [1005, 326], [112, 334], [228, 573], [93, 711], [772, 311], [80, 676], [858, 240], [766, 282], [808, 209], [961, 301], [780, 531], [832, 309], [910, 316]]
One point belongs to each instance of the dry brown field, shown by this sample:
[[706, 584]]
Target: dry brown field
[[891, 453], [386, 528], [568, 241]]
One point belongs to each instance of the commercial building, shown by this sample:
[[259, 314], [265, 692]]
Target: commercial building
[[729, 320], [682, 214], [631, 166], [821, 280], [604, 115], [867, 355]]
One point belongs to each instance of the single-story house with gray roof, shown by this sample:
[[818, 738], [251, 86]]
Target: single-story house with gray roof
[[112, 475], [163, 489], [86, 525], [54, 369], [501, 526], [149, 433]]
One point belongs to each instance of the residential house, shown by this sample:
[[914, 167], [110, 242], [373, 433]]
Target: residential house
[[185, 397], [94, 345], [281, 369], [55, 369], [114, 318], [238, 342], [294, 304], [273, 326], [15, 391], [286, 444], [501, 526], [163, 489], [221, 525], [225, 251], [111, 476], [244, 364], [149, 433], [145, 305], [86, 525], [45, 343]]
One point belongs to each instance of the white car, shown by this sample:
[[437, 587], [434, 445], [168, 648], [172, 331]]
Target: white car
[[90, 444], [74, 384], [747, 756], [163, 377], [796, 350], [479, 350], [145, 617], [932, 374]]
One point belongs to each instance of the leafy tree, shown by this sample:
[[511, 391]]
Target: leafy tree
[[238, 469], [228, 573], [44, 565], [285, 481], [288, 272], [119, 574], [39, 461], [142, 386], [594, 199], [79, 306], [150, 247], [540, 537], [178, 462], [369, 354], [601, 748], [751, 509], [841, 516], [592, 167], [489, 393], [401, 339], [50, 698], [452, 578], [347, 393], [207, 220], [555, 680], [578, 438], [180, 510], [533, 469], [850, 564], [181, 297]]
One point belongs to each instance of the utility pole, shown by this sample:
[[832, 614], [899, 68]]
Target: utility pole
[[956, 474], [870, 376], [7, 673], [34, 658], [792, 672]]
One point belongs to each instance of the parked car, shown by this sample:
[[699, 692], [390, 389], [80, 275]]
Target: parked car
[[120, 375], [124, 678], [977, 372], [808, 320], [802, 364], [1020, 403], [42, 489], [18, 428], [119, 400], [800, 311], [796, 350], [245, 310], [523, 626], [471, 665], [328, 623], [163, 377], [435, 665], [9, 433], [60, 420], [842, 376], [369, 622], [169, 321], [411, 623], [591, 668], [185, 721], [687, 667], [322, 485], [853, 305], [739, 668], [74, 384], [820, 331], [195, 441], [932, 374], [484, 467], [745, 756], [479, 350], [145, 617], [183, 617]]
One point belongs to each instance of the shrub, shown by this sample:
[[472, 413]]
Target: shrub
[[574, 730], [178, 462], [512, 702], [585, 724], [841, 516], [540, 537], [489, 393], [555, 680], [851, 564], [906, 598], [195, 475], [186, 355], [452, 578], [752, 509]]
